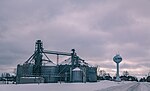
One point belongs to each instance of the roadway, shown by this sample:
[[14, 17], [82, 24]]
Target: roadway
[[135, 86]]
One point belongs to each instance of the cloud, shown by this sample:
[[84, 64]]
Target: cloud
[[96, 29]]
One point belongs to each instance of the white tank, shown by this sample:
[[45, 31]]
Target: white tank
[[77, 74]]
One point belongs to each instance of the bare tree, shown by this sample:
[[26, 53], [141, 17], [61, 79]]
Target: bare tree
[[149, 73], [102, 73], [125, 73]]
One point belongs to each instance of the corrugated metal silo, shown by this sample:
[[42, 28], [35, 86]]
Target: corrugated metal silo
[[92, 74], [25, 70], [50, 73], [77, 74]]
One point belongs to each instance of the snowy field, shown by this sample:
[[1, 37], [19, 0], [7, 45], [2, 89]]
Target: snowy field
[[99, 86]]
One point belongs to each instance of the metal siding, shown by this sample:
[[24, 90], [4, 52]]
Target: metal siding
[[49, 73]]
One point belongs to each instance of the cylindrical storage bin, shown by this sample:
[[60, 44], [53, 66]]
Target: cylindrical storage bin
[[92, 74], [77, 75], [49, 73]]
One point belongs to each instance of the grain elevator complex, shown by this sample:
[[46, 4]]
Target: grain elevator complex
[[40, 69]]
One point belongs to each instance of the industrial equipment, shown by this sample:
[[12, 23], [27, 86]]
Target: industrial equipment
[[66, 71]]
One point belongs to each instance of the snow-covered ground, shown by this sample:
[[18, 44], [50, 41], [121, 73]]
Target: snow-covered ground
[[98, 86], [134, 86]]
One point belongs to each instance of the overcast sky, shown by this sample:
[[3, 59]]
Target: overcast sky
[[97, 29]]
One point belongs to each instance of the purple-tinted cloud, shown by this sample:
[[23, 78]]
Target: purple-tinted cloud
[[96, 29]]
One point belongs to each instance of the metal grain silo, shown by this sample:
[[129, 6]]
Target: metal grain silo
[[25, 70], [49, 73], [77, 75], [92, 74]]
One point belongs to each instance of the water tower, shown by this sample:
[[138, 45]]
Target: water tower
[[117, 59]]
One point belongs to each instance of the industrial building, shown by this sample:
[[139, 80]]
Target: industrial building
[[40, 69]]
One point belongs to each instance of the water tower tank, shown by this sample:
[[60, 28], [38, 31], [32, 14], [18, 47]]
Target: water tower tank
[[117, 58]]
